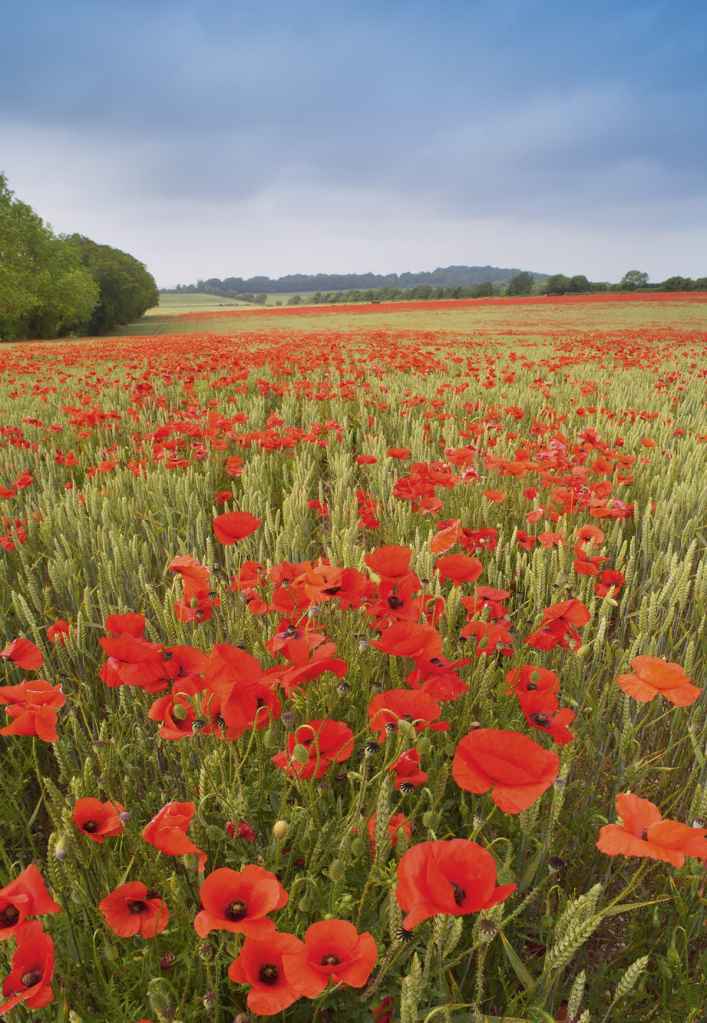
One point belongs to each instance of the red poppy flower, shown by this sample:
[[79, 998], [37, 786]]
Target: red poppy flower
[[653, 676], [407, 770], [24, 654], [542, 711], [131, 909], [59, 631], [260, 964], [491, 637], [391, 562], [643, 832], [133, 661], [512, 766], [559, 626], [320, 743], [408, 639], [32, 707], [26, 896], [531, 678], [29, 982], [446, 537], [451, 878], [239, 900], [386, 709], [397, 823], [233, 526], [333, 952], [458, 568], [130, 624], [98, 821], [242, 829], [167, 831]]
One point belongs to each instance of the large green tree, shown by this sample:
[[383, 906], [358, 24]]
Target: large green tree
[[127, 289], [44, 289]]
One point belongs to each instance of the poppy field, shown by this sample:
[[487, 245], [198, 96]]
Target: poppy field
[[355, 672]]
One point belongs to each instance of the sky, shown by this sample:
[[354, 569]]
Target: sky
[[240, 138]]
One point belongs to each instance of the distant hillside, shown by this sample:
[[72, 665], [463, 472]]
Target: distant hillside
[[442, 277]]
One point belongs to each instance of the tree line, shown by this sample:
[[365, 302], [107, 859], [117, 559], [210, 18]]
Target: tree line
[[53, 285], [442, 277]]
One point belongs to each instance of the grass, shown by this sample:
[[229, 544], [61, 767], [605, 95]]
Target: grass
[[116, 457]]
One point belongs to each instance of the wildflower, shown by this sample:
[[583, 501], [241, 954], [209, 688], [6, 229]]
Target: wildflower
[[653, 676], [31, 970], [33, 708], [132, 909], [26, 896], [24, 654], [514, 768], [458, 568], [97, 820], [233, 526], [455, 877], [239, 901], [260, 964], [333, 952], [322, 742], [644, 832], [167, 831]]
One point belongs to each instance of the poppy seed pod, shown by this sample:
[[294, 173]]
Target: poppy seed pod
[[279, 830]]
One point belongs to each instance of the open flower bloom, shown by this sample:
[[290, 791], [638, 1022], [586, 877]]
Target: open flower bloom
[[98, 821], [32, 707], [24, 654], [233, 526], [387, 709], [239, 900], [333, 951], [131, 909], [321, 744], [643, 832], [512, 766], [167, 831], [453, 878], [260, 964], [458, 568], [29, 982], [391, 562], [26, 896], [653, 676], [560, 626]]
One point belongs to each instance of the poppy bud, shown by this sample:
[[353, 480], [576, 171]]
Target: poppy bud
[[206, 951], [300, 754], [167, 961], [428, 819], [358, 846], [582, 652], [110, 953], [336, 870], [279, 830], [162, 999], [406, 728], [179, 713], [60, 849]]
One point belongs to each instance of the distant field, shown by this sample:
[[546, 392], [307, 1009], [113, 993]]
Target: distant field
[[506, 317], [197, 302]]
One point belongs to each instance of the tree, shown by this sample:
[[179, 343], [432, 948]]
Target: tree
[[558, 284], [126, 288], [521, 284], [634, 279], [44, 290]]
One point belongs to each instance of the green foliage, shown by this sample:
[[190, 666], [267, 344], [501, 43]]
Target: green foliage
[[126, 288], [521, 284], [44, 289], [51, 286]]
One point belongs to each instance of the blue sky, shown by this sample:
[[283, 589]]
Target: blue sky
[[239, 138]]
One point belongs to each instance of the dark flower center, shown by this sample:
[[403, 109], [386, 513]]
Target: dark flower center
[[395, 602], [531, 687], [644, 835], [459, 894], [406, 788], [137, 906], [330, 960], [436, 661], [268, 974], [31, 978], [90, 827], [9, 916], [331, 591], [540, 719], [236, 911]]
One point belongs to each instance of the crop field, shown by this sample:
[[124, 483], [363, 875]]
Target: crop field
[[352, 666]]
